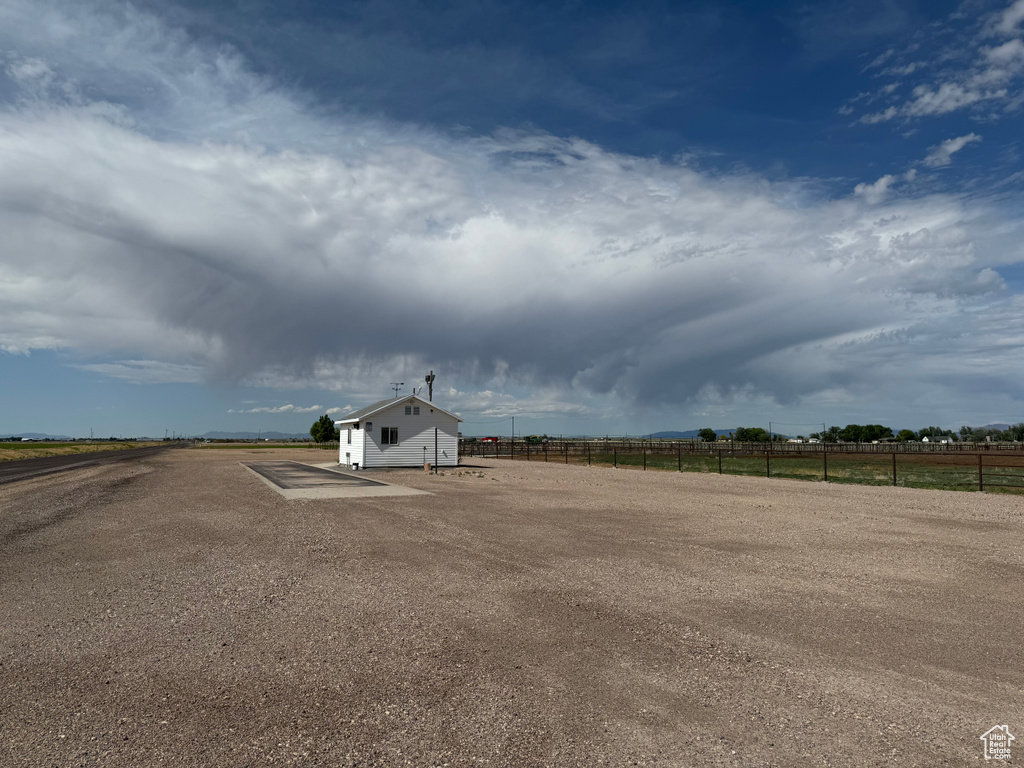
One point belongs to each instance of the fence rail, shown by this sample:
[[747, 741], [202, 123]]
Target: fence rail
[[923, 466]]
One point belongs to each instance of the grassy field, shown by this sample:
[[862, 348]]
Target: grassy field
[[33, 450], [1001, 473]]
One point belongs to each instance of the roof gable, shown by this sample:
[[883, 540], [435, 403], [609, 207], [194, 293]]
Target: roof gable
[[383, 405]]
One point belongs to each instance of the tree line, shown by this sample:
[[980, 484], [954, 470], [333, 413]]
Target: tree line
[[868, 433]]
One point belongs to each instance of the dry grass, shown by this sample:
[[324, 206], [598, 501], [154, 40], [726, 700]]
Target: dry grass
[[14, 451]]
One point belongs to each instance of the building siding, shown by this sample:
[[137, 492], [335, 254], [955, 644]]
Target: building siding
[[355, 450]]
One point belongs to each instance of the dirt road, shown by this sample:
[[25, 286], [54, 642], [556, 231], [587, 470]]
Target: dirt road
[[177, 611]]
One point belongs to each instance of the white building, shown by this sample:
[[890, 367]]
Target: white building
[[401, 432]]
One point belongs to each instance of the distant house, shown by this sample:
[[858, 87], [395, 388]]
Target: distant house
[[400, 432]]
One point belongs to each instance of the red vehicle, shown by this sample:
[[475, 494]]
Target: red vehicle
[[490, 440]]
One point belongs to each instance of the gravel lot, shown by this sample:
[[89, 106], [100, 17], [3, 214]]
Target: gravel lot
[[176, 611]]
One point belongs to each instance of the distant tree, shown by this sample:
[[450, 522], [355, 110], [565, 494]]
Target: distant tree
[[852, 433], [1016, 432], [876, 432], [752, 435], [323, 430], [906, 434], [707, 434]]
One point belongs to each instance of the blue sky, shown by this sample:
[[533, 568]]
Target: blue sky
[[599, 218]]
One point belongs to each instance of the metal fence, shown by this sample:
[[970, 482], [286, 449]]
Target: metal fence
[[937, 465]]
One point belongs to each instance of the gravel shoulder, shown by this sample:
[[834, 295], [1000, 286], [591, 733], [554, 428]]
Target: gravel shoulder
[[174, 610]]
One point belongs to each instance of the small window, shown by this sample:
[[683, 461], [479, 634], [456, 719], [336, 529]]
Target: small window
[[389, 435], [349, 436], [415, 410]]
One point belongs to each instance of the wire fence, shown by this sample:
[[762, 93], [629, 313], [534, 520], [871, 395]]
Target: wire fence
[[989, 466]]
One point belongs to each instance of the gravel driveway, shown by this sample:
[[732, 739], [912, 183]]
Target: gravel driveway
[[174, 610]]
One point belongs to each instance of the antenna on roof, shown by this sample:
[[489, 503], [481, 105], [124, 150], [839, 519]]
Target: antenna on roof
[[397, 385], [430, 384]]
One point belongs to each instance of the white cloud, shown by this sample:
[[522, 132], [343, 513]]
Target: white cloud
[[947, 98], [1010, 53], [964, 72], [942, 154], [877, 191], [1010, 19], [880, 117], [278, 409]]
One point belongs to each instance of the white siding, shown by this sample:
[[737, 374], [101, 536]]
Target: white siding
[[415, 438], [351, 454]]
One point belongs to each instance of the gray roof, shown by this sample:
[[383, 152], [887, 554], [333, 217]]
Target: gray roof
[[381, 405]]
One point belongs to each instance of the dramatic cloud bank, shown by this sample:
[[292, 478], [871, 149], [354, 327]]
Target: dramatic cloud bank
[[170, 212]]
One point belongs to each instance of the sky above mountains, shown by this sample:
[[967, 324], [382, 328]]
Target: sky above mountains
[[595, 217]]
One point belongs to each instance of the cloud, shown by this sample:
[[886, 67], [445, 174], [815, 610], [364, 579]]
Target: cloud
[[942, 154], [191, 213], [964, 70], [1008, 54], [947, 98], [876, 192], [1010, 19], [292, 409]]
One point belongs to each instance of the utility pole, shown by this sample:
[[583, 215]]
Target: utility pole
[[430, 385]]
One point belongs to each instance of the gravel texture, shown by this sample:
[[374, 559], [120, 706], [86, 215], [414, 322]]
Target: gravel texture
[[174, 610]]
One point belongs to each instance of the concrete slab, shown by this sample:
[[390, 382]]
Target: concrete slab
[[294, 480]]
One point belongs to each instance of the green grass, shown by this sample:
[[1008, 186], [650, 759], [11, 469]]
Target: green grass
[[935, 471]]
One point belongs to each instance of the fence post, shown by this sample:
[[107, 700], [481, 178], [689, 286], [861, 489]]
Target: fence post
[[545, 451], [527, 451], [768, 463], [679, 457], [824, 459], [981, 482], [719, 461], [615, 457], [566, 446], [588, 454], [894, 468], [643, 448]]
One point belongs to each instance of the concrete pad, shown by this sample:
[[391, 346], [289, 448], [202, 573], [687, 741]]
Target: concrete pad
[[303, 481]]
